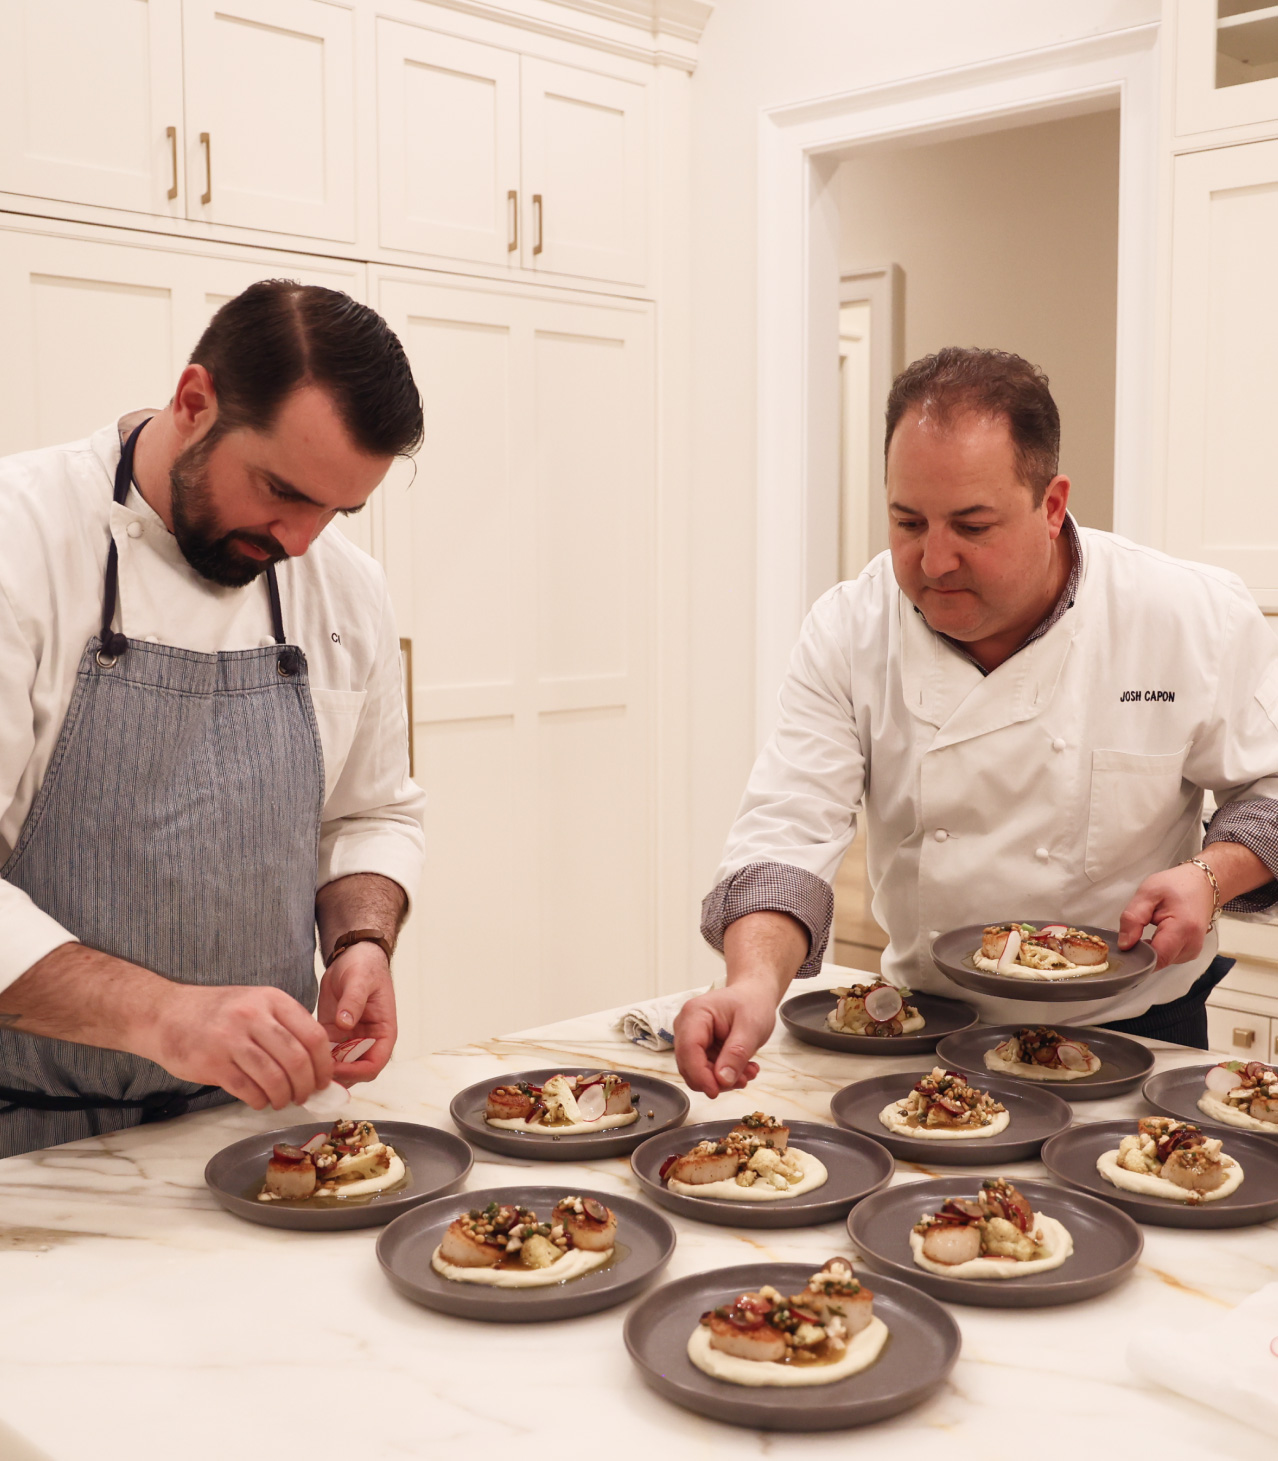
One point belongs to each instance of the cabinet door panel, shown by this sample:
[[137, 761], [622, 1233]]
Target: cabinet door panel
[[448, 144], [89, 88], [585, 157], [95, 329], [519, 558], [1221, 507], [271, 84]]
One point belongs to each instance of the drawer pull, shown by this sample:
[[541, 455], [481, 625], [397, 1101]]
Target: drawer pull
[[206, 197], [1244, 1039], [171, 134]]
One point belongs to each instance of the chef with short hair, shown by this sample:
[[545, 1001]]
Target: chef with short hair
[[1027, 714], [203, 752]]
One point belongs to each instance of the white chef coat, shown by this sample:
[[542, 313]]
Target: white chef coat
[[57, 520], [1046, 790]]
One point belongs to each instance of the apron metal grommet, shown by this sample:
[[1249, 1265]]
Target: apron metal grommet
[[287, 663], [106, 661]]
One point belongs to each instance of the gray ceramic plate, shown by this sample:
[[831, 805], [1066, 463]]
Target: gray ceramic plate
[[437, 1163], [668, 1104], [1176, 1092], [1107, 1244], [922, 1347], [804, 1017], [1036, 1116], [1124, 1062], [1071, 1157], [952, 955], [645, 1241], [856, 1166]]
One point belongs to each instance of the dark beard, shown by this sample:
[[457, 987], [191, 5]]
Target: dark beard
[[213, 557]]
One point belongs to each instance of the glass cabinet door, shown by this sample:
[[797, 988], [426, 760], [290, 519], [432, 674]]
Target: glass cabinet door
[[1226, 64]]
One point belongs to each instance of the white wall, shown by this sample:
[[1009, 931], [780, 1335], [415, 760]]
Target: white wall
[[757, 54], [1009, 240]]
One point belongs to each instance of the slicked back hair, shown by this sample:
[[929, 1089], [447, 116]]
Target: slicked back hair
[[279, 335], [957, 382]]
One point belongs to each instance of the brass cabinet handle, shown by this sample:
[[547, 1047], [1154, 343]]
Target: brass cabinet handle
[[512, 205], [537, 208], [1244, 1039], [171, 134], [207, 195], [406, 653]]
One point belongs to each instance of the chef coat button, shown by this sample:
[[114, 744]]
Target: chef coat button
[[940, 834], [1042, 854], [934, 933], [150, 639], [134, 530], [1058, 744]]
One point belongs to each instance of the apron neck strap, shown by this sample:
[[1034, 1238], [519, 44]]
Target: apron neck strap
[[112, 645]]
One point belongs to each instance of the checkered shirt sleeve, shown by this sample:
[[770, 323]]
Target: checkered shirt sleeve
[[772, 887], [1254, 824]]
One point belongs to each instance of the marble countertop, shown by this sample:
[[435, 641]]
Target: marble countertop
[[140, 1320]]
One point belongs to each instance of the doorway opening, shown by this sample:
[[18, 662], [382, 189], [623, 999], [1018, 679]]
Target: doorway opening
[[1007, 239]]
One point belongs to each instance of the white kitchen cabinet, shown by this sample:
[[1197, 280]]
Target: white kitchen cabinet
[[520, 558], [585, 177], [1221, 505], [91, 103], [95, 328], [1241, 1034], [448, 145], [270, 115], [1226, 64]]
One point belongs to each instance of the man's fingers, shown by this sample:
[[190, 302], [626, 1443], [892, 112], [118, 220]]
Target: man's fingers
[[733, 1059], [312, 1037], [261, 1066], [694, 1031], [245, 1089], [1135, 916]]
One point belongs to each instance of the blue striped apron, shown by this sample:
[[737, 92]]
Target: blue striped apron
[[177, 827]]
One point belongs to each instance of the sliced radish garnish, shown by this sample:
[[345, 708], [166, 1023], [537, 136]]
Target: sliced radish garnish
[[1010, 950], [358, 1049], [592, 1103], [884, 1003], [315, 1143], [1220, 1081], [1052, 930], [1073, 1057]]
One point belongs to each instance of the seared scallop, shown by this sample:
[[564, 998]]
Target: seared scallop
[[593, 1229], [994, 940], [699, 1166], [763, 1128], [290, 1173], [509, 1103], [952, 1243], [747, 1341], [1195, 1169], [1084, 948], [462, 1246]]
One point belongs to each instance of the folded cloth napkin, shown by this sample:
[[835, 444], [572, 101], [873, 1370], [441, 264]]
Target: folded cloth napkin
[[1230, 1362], [650, 1023]]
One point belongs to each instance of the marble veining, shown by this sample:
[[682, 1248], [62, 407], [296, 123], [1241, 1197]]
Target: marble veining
[[141, 1321]]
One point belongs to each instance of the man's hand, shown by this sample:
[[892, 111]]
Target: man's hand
[[1180, 901], [356, 1002], [257, 1043], [717, 1033]]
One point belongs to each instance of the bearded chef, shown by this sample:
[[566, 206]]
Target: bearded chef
[[203, 753], [1027, 713]]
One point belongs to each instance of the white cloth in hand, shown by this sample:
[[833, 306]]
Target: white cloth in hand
[[1230, 1362]]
